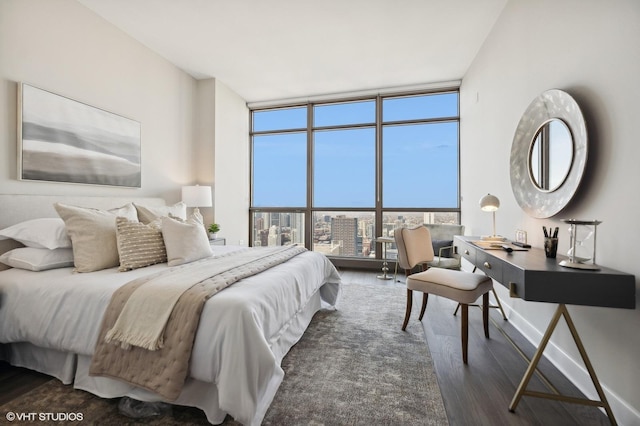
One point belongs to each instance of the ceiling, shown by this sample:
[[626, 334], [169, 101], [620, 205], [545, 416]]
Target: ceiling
[[280, 49]]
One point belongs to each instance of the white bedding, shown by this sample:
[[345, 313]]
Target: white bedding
[[237, 344]]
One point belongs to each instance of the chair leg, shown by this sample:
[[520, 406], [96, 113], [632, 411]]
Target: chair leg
[[498, 305], [485, 314], [425, 298], [409, 306], [464, 331]]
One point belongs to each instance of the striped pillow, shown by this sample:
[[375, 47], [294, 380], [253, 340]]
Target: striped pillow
[[139, 245]]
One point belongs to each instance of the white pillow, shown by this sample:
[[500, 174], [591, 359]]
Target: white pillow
[[49, 233], [149, 214], [93, 234], [185, 241], [38, 259]]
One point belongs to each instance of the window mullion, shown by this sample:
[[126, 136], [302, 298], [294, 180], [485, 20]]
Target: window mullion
[[378, 214], [309, 222]]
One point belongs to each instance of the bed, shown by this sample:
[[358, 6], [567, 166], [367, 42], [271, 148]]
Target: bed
[[50, 321]]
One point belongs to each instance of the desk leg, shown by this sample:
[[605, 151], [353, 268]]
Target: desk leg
[[522, 388]]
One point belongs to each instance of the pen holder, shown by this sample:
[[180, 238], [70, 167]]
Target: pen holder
[[550, 247]]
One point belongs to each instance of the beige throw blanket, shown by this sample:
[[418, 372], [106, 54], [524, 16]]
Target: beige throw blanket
[[164, 370], [146, 312]]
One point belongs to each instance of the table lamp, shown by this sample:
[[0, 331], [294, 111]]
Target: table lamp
[[197, 196], [490, 203]]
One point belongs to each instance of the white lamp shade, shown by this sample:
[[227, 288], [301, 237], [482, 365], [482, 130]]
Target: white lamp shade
[[197, 196], [489, 203]]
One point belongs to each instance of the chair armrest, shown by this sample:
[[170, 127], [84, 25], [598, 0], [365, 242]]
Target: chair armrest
[[445, 248], [453, 255]]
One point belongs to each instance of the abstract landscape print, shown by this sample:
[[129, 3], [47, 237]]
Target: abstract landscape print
[[63, 140]]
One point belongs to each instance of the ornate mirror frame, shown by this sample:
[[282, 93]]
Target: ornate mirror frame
[[550, 105]]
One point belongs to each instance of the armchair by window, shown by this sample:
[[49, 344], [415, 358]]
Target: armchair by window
[[442, 241]]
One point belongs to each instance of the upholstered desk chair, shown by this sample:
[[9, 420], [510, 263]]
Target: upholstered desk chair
[[415, 248], [442, 241], [442, 235]]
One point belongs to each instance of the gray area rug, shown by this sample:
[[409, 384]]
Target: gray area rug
[[353, 366]]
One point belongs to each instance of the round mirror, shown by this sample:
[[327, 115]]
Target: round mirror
[[551, 155], [545, 174]]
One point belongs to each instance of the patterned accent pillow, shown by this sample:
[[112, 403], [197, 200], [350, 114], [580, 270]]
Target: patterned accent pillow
[[139, 245]]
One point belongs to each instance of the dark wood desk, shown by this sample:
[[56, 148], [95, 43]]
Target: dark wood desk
[[531, 276]]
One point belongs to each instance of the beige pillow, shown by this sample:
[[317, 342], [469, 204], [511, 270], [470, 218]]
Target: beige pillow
[[93, 234], [148, 214], [139, 245], [185, 241]]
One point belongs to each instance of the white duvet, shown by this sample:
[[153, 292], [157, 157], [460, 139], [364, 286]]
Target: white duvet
[[237, 343]]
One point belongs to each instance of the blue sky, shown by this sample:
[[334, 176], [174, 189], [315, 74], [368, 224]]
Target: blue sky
[[419, 160]]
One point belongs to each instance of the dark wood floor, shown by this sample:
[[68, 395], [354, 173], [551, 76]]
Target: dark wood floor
[[480, 392], [16, 381], [476, 394]]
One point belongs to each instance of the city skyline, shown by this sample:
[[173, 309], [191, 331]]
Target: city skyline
[[285, 228]]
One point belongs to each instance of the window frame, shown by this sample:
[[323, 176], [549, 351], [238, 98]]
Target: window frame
[[309, 210]]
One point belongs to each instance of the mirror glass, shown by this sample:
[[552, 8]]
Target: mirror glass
[[548, 154], [551, 155]]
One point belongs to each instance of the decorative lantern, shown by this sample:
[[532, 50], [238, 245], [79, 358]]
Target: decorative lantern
[[582, 244]]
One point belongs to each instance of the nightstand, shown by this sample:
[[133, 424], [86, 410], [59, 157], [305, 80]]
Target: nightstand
[[218, 242]]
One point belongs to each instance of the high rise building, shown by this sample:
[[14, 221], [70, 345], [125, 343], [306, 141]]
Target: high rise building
[[344, 231], [274, 236], [296, 223]]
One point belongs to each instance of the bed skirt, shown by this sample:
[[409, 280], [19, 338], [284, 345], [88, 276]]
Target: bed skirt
[[61, 365]]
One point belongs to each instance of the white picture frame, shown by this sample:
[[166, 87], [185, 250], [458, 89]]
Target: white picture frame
[[64, 140]]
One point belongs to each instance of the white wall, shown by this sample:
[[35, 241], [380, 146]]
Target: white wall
[[203, 156], [221, 157], [589, 49], [61, 46], [231, 165]]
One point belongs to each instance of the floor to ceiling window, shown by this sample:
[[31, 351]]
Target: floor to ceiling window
[[335, 175]]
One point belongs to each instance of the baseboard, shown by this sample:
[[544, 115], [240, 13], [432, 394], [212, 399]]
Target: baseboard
[[574, 370]]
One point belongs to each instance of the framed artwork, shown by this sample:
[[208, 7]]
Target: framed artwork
[[63, 140]]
